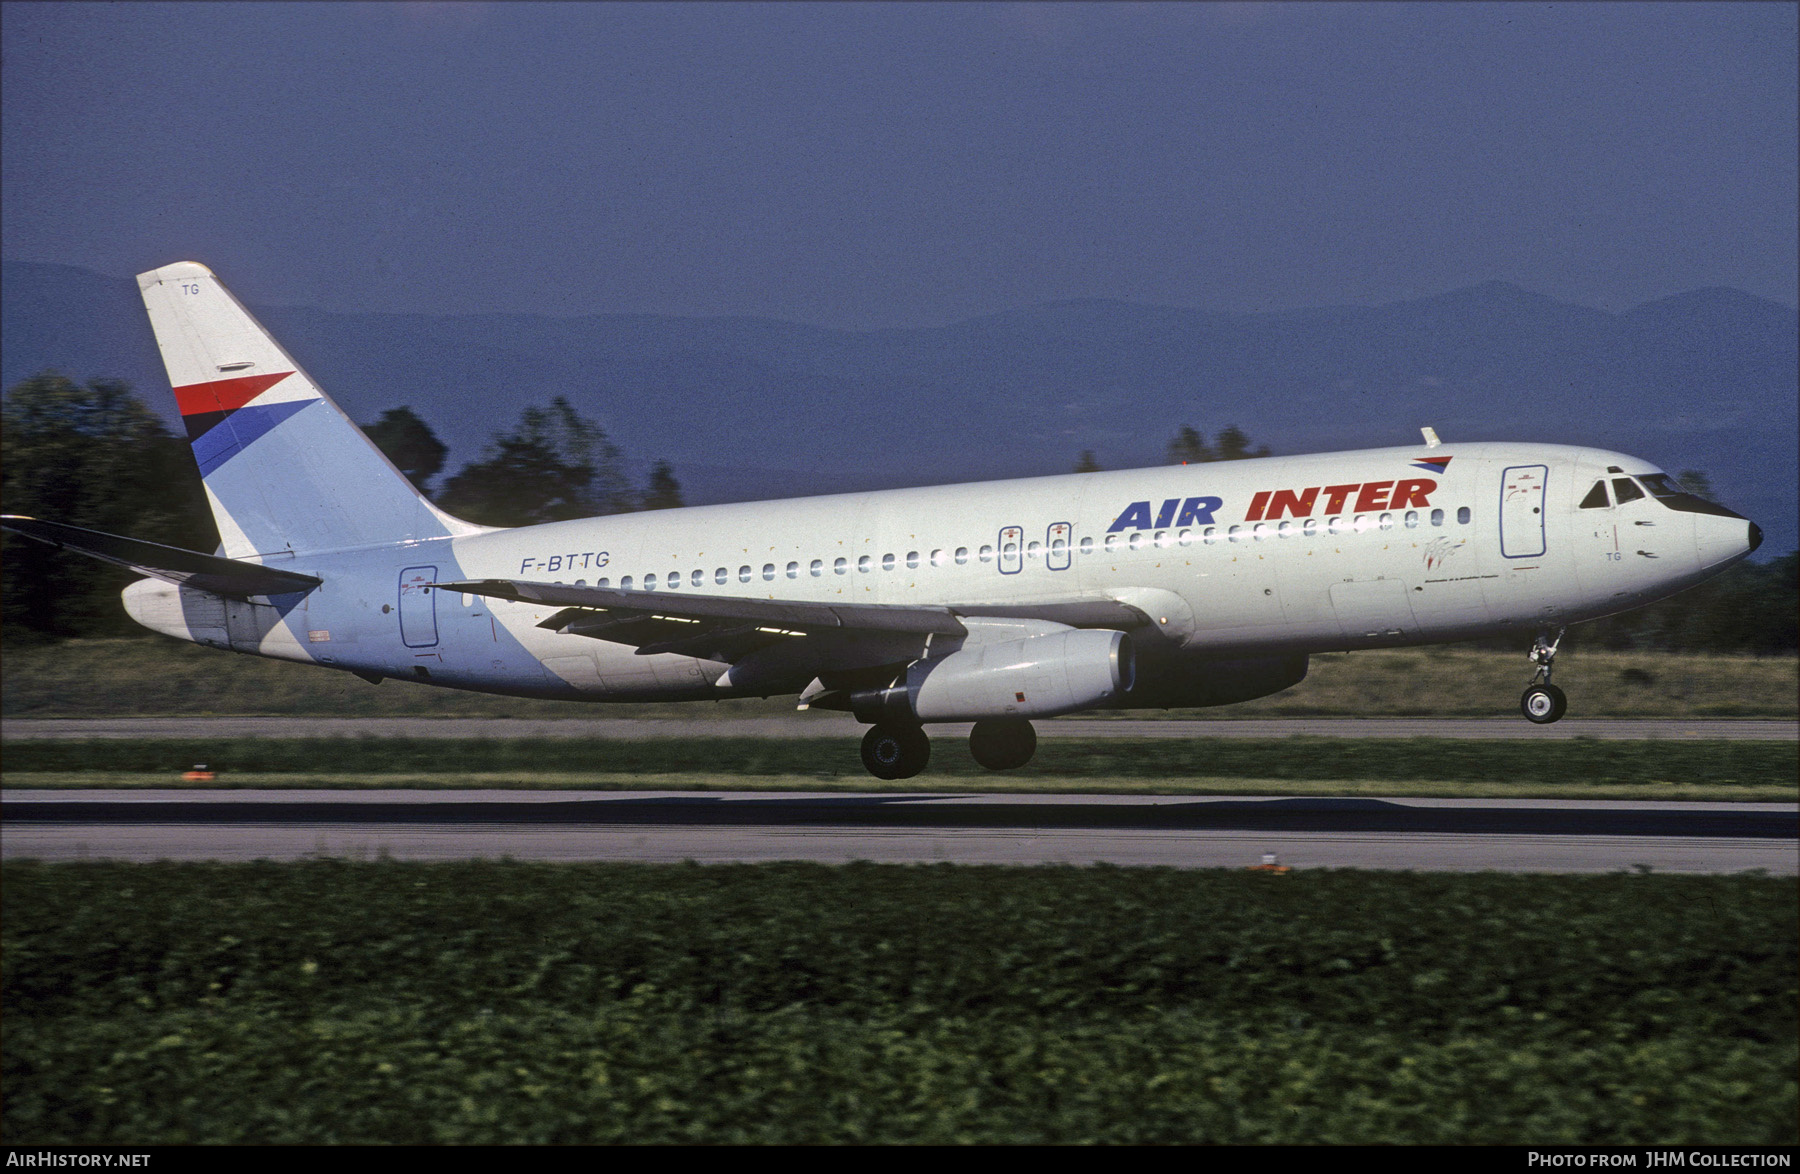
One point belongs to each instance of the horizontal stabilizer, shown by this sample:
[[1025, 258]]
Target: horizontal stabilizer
[[205, 572]]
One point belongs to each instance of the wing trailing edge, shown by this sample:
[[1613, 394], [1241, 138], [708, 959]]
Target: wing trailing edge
[[733, 628]]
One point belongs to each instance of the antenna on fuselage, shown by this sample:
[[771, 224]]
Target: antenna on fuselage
[[1431, 439]]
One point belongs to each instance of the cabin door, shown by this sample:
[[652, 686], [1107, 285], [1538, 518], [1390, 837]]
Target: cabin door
[[1522, 511]]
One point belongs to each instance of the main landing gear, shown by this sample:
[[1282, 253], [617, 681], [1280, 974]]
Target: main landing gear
[[1003, 744], [895, 751], [891, 750], [1543, 702]]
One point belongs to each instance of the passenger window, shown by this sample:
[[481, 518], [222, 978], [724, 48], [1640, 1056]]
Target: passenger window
[[1185, 538], [1112, 543], [817, 567], [1359, 523], [1162, 540], [1625, 489], [987, 554], [1387, 521], [600, 582], [1087, 545], [1137, 540], [743, 574], [939, 557], [1462, 516], [887, 562], [468, 599], [840, 566], [1260, 531], [721, 576], [912, 560], [1412, 519], [698, 578], [1286, 529], [1335, 525], [649, 582], [793, 570], [1034, 549], [1311, 527], [1596, 498], [864, 563], [625, 583], [1233, 533], [674, 580], [1437, 517], [962, 555], [768, 572], [1211, 536]]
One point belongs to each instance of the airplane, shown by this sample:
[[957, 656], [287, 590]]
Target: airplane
[[994, 603]]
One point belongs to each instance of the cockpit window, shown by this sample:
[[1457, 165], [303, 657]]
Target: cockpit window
[[1676, 498], [1596, 498], [1625, 489]]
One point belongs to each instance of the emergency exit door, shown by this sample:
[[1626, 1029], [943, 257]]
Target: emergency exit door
[[418, 607]]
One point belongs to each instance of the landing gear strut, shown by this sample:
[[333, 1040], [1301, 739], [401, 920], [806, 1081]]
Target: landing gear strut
[[1543, 702], [895, 751], [1003, 744]]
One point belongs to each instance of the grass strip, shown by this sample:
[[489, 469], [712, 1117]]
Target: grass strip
[[152, 675], [1586, 762], [332, 1002]]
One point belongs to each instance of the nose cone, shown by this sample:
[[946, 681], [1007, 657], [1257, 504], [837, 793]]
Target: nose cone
[[1722, 541]]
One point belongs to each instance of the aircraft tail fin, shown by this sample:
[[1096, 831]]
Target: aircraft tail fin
[[285, 469]]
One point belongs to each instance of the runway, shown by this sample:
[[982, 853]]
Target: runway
[[842, 725], [1520, 835]]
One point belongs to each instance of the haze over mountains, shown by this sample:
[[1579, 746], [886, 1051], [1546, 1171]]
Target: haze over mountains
[[747, 408]]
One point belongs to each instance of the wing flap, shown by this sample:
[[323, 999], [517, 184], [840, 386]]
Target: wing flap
[[776, 644], [172, 564]]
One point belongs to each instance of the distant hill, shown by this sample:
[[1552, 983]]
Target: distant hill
[[749, 407]]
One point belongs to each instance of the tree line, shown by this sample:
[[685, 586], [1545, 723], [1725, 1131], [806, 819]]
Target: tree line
[[93, 455]]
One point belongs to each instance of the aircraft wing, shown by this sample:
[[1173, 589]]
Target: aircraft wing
[[172, 564], [727, 628]]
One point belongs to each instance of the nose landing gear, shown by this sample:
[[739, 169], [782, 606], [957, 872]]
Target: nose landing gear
[[1543, 702]]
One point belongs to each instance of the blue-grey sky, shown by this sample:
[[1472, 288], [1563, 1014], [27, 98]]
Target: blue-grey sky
[[892, 165]]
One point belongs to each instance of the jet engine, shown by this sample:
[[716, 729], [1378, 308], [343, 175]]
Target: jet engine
[[1039, 676]]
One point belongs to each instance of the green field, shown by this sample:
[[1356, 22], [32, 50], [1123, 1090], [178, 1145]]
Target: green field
[[1301, 765], [111, 678], [456, 1003]]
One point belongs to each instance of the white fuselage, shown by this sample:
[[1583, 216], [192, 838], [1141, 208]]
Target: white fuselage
[[1260, 557]]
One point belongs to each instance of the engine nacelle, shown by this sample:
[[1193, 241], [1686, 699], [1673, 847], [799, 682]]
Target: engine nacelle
[[1040, 676]]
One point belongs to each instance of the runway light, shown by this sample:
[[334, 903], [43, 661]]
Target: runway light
[[198, 775], [1269, 864]]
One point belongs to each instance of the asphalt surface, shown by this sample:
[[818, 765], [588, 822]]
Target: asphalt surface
[[1424, 834], [829, 725]]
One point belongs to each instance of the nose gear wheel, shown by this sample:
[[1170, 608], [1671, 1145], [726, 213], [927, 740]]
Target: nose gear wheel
[[1542, 702]]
